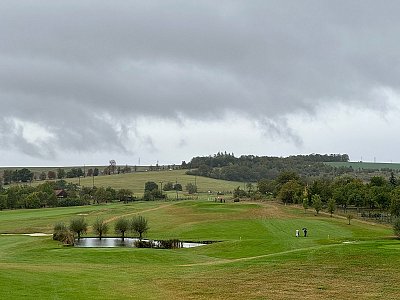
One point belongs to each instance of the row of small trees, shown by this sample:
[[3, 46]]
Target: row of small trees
[[26, 175], [317, 204], [379, 193], [44, 195], [79, 226], [152, 191]]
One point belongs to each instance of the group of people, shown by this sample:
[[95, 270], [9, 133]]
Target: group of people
[[304, 231]]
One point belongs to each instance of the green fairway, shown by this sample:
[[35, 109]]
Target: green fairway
[[258, 256]]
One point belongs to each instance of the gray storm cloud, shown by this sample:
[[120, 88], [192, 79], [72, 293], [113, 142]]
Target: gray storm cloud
[[80, 69]]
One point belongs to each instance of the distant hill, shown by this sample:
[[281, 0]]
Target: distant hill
[[252, 168], [366, 165]]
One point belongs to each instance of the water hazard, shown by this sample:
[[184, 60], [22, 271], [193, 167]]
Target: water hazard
[[108, 242]]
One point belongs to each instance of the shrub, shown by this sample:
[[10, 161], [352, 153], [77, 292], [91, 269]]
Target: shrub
[[144, 244], [178, 187], [62, 234], [191, 188], [153, 195], [139, 225], [100, 227], [64, 202], [239, 193], [121, 226], [170, 244], [331, 206], [150, 186], [316, 203], [59, 228], [78, 225], [169, 186], [396, 227]]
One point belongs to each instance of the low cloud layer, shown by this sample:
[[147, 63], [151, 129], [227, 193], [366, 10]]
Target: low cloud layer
[[85, 71]]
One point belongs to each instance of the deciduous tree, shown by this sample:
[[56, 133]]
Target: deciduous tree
[[51, 175], [139, 225], [60, 173], [150, 186], [305, 204], [191, 188], [316, 203], [178, 187], [100, 227], [78, 225], [291, 192], [122, 226], [124, 195], [168, 186], [42, 176], [395, 202], [331, 206], [396, 227]]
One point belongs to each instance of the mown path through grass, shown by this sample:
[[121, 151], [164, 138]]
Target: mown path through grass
[[138, 212], [228, 261]]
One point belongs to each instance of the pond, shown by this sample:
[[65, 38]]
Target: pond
[[112, 242]]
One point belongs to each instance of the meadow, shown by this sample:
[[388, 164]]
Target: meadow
[[356, 165], [136, 181], [257, 256]]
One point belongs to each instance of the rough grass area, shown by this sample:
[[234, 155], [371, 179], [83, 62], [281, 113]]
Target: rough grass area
[[258, 256]]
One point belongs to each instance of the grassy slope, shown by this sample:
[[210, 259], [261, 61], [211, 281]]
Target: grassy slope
[[365, 165], [136, 181], [259, 258]]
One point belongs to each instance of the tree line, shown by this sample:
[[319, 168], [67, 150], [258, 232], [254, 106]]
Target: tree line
[[26, 175], [71, 194], [250, 168], [378, 193], [79, 226], [45, 195]]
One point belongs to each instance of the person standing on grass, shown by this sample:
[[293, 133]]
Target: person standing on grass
[[305, 232], [297, 233]]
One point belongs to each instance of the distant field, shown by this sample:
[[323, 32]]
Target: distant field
[[366, 165], [258, 256], [38, 170], [135, 181]]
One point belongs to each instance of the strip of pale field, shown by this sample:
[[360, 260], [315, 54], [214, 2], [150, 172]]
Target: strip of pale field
[[365, 165]]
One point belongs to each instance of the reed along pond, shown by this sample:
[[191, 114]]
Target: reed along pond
[[108, 242]]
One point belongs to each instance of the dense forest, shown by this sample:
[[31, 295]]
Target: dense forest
[[250, 168]]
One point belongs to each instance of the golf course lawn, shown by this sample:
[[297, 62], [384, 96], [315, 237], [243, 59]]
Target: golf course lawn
[[257, 256]]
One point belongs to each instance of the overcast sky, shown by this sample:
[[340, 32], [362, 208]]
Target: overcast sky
[[83, 82]]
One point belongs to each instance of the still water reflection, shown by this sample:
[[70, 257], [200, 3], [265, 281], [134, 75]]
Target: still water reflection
[[109, 242]]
